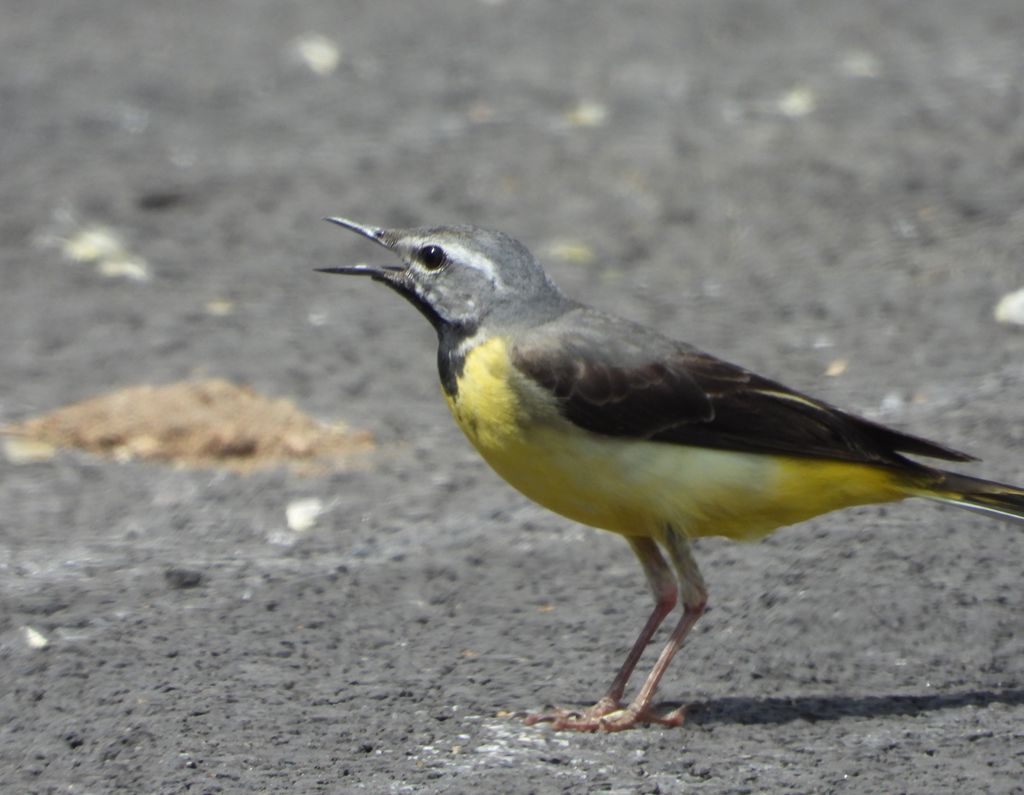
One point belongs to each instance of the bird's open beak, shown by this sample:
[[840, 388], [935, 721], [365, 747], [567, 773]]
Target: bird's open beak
[[375, 234]]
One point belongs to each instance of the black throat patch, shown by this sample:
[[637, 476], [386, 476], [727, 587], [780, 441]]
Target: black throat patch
[[450, 361]]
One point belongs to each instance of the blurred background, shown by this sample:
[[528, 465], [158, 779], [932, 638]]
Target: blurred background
[[829, 192], [748, 175]]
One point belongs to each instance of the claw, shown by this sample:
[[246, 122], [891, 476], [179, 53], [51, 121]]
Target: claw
[[606, 716]]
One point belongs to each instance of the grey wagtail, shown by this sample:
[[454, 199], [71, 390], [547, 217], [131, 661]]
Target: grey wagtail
[[615, 426]]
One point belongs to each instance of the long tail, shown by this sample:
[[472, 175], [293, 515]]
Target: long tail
[[974, 494]]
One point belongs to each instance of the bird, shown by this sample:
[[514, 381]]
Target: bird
[[613, 425]]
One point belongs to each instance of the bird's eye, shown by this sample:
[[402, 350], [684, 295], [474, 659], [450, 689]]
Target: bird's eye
[[431, 257]]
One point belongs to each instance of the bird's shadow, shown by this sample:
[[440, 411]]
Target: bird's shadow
[[775, 710]]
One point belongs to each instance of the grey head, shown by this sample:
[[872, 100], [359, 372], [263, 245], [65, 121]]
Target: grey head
[[461, 276]]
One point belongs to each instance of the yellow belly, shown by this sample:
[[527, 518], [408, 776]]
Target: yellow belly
[[636, 487]]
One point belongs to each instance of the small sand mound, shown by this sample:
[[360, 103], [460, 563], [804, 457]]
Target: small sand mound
[[211, 423]]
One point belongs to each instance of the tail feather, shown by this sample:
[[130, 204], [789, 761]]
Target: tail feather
[[975, 494]]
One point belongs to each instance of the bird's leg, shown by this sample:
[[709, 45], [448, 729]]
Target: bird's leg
[[663, 586], [606, 715], [695, 599]]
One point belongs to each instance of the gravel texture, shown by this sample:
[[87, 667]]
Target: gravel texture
[[801, 187]]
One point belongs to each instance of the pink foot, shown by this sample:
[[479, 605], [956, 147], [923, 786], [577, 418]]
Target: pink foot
[[606, 716]]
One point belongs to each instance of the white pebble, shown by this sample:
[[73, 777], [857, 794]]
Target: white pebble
[[320, 55], [34, 638], [1010, 308], [302, 514]]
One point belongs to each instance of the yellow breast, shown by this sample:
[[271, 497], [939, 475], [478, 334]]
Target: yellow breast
[[488, 407], [634, 486]]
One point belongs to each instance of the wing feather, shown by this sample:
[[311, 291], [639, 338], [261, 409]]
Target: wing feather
[[616, 378]]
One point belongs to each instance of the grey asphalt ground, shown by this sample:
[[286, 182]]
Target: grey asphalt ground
[[801, 187]]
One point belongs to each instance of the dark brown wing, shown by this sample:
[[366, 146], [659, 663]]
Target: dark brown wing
[[616, 378]]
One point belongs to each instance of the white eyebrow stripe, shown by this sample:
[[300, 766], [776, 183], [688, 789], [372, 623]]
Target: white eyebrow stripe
[[467, 257]]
